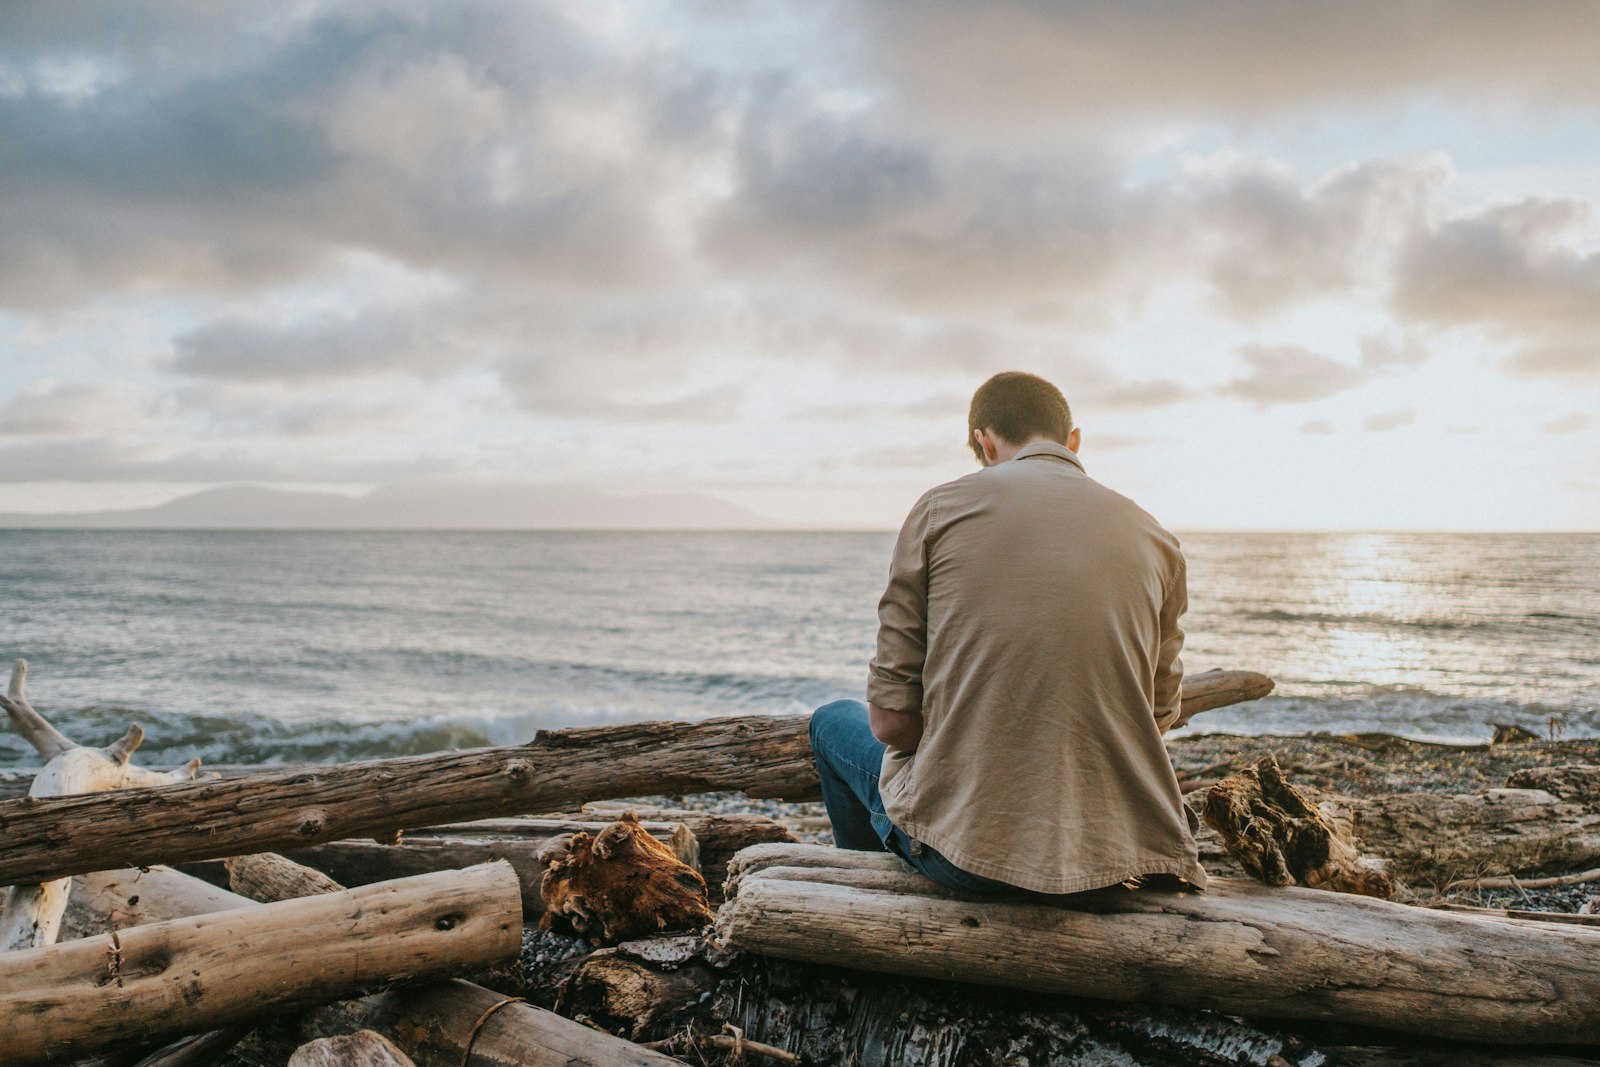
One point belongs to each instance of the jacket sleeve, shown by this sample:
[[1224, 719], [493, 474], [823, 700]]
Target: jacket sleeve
[[1169, 667], [894, 679]]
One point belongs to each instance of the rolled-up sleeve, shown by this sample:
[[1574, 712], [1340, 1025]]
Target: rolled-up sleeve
[[894, 680], [1169, 667]]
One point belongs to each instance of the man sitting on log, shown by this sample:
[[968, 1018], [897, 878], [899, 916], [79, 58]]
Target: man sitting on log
[[1027, 666]]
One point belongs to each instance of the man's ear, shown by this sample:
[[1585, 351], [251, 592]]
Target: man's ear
[[987, 443], [1074, 439], [986, 447]]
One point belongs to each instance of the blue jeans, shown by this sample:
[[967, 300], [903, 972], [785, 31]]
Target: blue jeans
[[848, 762]]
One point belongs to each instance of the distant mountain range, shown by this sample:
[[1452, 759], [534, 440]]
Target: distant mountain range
[[416, 507]]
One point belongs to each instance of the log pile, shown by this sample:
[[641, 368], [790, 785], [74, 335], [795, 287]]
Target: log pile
[[403, 877]]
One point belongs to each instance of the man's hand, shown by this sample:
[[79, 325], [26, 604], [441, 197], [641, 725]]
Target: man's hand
[[900, 730]]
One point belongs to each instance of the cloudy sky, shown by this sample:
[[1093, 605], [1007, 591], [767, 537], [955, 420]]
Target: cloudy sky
[[1313, 265]]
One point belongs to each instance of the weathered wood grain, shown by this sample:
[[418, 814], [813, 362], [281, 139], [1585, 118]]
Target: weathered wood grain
[[1239, 948], [433, 1023], [186, 975]]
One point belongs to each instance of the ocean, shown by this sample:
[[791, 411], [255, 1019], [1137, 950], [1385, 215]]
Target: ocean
[[242, 646]]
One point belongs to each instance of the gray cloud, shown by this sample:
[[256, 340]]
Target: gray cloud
[[431, 135], [568, 389], [1290, 374], [1270, 243], [79, 409], [1038, 63], [380, 341], [1514, 271]]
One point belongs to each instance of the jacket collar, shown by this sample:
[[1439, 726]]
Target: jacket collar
[[1049, 449]]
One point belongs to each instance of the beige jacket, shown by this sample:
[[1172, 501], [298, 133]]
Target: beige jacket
[[1032, 616]]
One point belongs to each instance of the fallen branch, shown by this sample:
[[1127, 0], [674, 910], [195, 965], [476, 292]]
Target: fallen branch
[[1511, 881]]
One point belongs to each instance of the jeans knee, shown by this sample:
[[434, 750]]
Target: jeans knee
[[828, 719]]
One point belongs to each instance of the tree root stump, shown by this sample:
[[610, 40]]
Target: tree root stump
[[1281, 838], [619, 885]]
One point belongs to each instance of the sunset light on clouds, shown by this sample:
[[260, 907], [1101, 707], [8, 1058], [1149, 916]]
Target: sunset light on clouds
[[1313, 266]]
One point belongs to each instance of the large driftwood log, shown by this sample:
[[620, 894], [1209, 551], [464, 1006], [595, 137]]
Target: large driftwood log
[[105, 901], [1428, 838], [1238, 948], [363, 861], [185, 975], [434, 1024], [1201, 692], [30, 916], [788, 1011], [760, 755]]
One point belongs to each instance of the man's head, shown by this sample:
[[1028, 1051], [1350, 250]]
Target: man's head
[[1012, 409]]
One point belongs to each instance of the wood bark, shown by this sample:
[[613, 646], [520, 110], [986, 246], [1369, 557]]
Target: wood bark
[[433, 1024], [1239, 948], [620, 884], [763, 756], [114, 900], [1579, 782], [186, 975], [267, 877], [1428, 838], [628, 988], [30, 914], [718, 836], [363, 861], [1278, 835]]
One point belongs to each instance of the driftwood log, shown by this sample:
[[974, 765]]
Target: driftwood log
[[433, 1024], [30, 914], [761, 755], [363, 861], [1434, 839], [711, 840], [186, 975], [1239, 948]]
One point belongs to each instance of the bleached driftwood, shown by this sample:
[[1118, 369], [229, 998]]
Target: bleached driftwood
[[1428, 838], [433, 1023], [1240, 948], [186, 975], [31, 915], [760, 755]]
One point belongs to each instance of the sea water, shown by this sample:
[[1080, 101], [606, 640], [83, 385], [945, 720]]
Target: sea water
[[286, 646]]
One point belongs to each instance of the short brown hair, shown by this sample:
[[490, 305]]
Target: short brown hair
[[1018, 407]]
